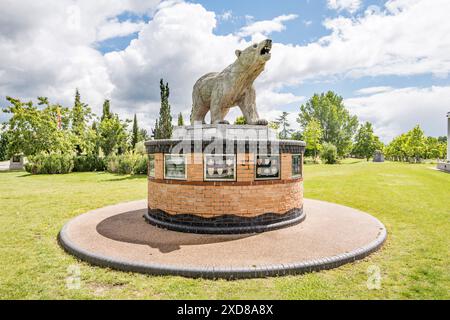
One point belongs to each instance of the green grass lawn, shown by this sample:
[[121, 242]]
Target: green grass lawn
[[412, 201]]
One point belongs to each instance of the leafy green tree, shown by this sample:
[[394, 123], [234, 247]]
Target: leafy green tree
[[313, 136], [337, 124], [143, 135], [3, 146], [415, 143], [240, 120], [113, 135], [180, 120], [297, 135], [284, 124], [135, 133], [32, 130], [164, 126], [396, 150], [365, 142]]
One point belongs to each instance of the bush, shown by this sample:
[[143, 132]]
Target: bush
[[88, 163], [50, 163], [128, 163], [329, 153]]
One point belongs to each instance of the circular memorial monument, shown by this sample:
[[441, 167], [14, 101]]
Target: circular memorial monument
[[224, 201], [225, 179]]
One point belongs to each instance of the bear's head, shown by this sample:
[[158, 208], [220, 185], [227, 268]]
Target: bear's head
[[255, 55]]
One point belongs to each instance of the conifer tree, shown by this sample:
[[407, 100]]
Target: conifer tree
[[106, 114], [164, 127], [180, 120], [135, 133]]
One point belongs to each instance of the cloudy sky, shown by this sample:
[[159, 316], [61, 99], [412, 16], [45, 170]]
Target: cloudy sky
[[390, 60]]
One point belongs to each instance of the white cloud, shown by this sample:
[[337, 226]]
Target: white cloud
[[396, 111], [227, 15], [373, 90], [55, 53], [349, 5], [114, 28], [407, 38], [261, 29]]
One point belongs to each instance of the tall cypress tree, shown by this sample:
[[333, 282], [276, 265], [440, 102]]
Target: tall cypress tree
[[180, 120], [155, 132], [106, 114], [80, 114], [135, 133], [164, 127]]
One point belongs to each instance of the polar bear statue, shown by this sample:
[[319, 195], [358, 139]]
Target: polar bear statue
[[219, 92]]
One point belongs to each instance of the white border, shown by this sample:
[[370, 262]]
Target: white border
[[267, 155], [185, 166], [218, 155]]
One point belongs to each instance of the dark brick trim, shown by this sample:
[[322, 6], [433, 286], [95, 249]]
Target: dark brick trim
[[226, 183], [284, 146], [224, 224]]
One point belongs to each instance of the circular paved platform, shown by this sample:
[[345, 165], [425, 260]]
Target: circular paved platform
[[118, 237]]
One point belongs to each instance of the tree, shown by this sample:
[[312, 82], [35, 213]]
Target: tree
[[415, 144], [135, 133], [313, 137], [329, 153], [338, 126], [106, 113], [240, 120], [3, 146], [284, 125], [32, 130], [143, 135], [112, 135], [180, 120], [164, 127], [365, 142], [155, 132], [80, 115]]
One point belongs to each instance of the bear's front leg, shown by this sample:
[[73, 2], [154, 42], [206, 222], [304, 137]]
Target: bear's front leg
[[248, 108], [218, 111]]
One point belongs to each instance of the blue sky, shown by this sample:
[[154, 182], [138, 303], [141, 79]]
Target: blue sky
[[390, 60]]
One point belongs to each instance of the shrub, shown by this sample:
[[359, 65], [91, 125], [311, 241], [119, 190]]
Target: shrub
[[50, 163], [128, 163], [88, 163], [112, 163], [329, 153]]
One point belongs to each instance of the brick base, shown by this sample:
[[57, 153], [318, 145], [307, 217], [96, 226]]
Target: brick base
[[210, 200]]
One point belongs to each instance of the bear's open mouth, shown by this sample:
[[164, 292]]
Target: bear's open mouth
[[266, 50]]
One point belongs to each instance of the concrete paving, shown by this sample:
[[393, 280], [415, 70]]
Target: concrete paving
[[118, 237]]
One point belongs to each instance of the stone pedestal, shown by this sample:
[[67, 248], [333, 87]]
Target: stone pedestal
[[16, 163], [225, 179], [378, 156]]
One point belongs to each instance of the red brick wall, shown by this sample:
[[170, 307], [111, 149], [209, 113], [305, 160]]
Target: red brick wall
[[246, 197], [210, 200]]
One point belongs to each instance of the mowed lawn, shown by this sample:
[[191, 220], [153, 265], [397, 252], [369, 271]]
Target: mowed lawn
[[413, 201]]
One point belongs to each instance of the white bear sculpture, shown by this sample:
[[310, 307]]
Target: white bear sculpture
[[219, 92]]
